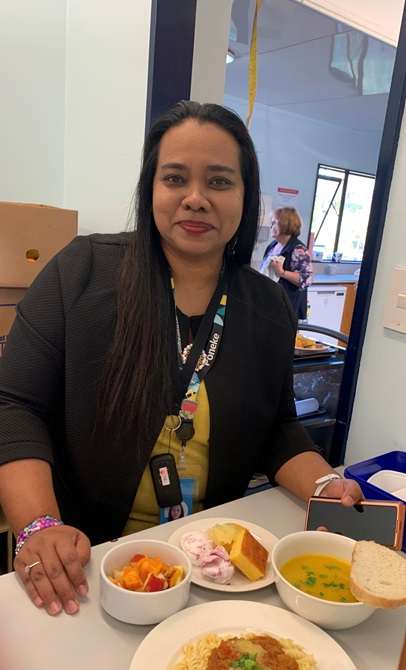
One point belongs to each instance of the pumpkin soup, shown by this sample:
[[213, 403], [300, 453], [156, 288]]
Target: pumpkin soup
[[320, 576]]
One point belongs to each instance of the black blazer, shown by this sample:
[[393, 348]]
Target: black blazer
[[51, 365]]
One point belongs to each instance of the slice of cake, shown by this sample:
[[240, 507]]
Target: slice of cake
[[249, 555]]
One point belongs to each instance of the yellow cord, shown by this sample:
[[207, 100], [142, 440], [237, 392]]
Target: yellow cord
[[252, 74]]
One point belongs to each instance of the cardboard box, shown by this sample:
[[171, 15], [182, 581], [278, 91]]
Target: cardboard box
[[30, 236], [9, 297]]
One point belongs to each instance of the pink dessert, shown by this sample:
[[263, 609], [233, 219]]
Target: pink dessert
[[215, 564], [195, 544]]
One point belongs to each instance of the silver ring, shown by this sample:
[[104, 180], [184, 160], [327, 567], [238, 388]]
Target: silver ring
[[28, 568], [171, 430]]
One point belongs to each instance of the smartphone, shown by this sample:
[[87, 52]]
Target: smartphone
[[375, 520]]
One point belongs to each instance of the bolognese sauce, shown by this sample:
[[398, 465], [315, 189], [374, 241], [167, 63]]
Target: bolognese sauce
[[267, 652]]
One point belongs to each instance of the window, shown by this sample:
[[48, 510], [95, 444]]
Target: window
[[341, 207]]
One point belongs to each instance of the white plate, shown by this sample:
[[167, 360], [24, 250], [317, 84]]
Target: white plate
[[238, 583], [162, 647]]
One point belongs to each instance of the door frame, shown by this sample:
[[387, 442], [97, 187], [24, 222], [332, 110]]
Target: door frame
[[373, 241]]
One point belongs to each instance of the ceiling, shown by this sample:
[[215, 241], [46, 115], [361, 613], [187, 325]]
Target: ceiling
[[294, 73]]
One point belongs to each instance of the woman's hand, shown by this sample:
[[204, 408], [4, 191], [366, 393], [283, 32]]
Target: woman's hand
[[347, 490], [277, 266], [58, 579]]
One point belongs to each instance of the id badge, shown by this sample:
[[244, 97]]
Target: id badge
[[165, 479], [190, 487]]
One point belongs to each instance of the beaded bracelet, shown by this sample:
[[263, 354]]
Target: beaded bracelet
[[39, 523]]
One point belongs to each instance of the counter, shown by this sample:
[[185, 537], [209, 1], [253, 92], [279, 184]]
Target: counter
[[334, 279]]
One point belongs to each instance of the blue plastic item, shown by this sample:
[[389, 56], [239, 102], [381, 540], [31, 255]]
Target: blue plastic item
[[393, 460]]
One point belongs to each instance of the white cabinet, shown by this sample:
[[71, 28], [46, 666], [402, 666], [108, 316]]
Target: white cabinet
[[326, 309]]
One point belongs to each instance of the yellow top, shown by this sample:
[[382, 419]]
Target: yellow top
[[145, 511]]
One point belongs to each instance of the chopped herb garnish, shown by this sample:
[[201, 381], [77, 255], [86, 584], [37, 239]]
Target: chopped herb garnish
[[333, 585], [246, 662]]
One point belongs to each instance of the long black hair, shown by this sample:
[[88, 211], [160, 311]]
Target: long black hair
[[138, 380]]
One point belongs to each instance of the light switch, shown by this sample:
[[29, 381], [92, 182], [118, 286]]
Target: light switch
[[395, 309]]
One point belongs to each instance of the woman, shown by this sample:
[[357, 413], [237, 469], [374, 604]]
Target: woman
[[159, 342], [294, 271]]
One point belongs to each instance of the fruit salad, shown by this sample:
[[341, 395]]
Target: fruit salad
[[147, 574]]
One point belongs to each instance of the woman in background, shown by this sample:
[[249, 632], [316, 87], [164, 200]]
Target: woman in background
[[295, 271]]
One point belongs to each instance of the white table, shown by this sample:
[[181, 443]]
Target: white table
[[32, 640]]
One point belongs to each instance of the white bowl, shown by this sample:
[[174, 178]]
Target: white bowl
[[390, 481], [137, 607], [323, 613]]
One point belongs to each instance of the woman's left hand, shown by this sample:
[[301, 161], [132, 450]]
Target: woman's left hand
[[347, 490]]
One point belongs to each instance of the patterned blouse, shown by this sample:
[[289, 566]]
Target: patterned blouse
[[299, 262]]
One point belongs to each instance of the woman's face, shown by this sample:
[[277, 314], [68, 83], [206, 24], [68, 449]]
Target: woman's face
[[176, 512], [198, 191], [274, 227]]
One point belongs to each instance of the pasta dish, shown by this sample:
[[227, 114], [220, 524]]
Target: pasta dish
[[247, 651]]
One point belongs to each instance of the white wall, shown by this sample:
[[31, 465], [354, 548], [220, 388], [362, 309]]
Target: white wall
[[106, 83], [73, 94], [377, 424], [32, 108], [378, 18]]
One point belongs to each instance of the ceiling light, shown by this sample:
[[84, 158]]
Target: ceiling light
[[230, 56]]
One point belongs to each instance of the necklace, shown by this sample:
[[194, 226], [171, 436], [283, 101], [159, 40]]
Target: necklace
[[202, 361]]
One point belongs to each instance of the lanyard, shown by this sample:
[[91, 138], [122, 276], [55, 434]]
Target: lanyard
[[194, 362]]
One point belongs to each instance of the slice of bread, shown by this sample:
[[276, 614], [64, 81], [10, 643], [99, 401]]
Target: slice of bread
[[249, 555], [378, 575]]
